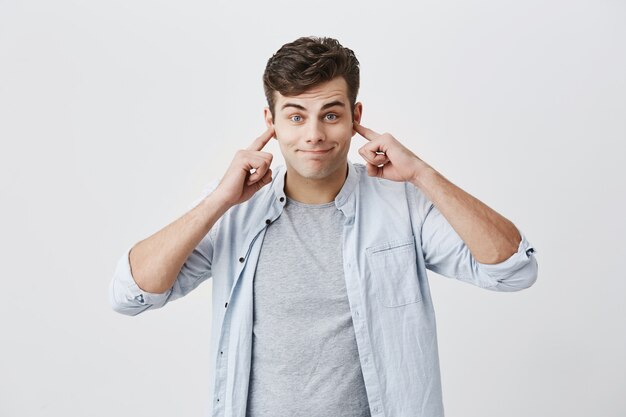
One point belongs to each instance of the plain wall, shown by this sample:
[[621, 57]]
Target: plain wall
[[114, 115]]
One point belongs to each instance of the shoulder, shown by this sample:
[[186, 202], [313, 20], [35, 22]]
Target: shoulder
[[368, 183], [391, 193]]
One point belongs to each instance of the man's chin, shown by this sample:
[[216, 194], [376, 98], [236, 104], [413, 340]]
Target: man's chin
[[312, 174]]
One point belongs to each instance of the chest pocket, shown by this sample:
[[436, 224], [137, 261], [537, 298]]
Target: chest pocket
[[393, 266]]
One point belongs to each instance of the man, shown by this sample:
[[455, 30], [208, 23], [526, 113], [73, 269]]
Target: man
[[321, 304]]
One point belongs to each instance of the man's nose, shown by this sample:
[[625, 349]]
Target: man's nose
[[315, 132]]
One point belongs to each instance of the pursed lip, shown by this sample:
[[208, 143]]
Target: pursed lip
[[316, 151]]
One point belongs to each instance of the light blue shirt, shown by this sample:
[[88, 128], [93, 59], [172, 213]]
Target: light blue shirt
[[391, 235]]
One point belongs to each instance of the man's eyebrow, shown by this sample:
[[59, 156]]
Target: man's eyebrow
[[324, 107]]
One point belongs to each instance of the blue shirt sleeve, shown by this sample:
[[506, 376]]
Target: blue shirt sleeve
[[127, 298], [447, 254]]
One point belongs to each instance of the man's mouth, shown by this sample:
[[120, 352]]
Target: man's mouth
[[316, 151]]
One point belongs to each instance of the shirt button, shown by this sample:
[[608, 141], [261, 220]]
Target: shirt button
[[241, 259], [225, 305], [282, 199], [357, 313], [268, 221]]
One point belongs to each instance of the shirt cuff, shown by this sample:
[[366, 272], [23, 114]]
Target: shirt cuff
[[515, 262], [130, 291]]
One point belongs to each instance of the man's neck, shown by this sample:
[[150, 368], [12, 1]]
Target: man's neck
[[311, 191]]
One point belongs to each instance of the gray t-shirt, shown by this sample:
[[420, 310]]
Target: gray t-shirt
[[305, 360]]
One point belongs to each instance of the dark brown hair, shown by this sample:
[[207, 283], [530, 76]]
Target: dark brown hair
[[306, 63]]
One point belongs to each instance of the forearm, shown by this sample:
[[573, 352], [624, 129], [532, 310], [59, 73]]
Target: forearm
[[490, 237], [156, 261]]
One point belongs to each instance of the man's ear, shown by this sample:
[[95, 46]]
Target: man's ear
[[358, 112], [267, 115]]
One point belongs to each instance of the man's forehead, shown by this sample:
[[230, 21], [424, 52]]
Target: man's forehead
[[317, 96]]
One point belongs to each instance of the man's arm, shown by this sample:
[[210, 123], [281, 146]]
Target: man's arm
[[177, 258], [156, 261], [490, 237], [460, 236]]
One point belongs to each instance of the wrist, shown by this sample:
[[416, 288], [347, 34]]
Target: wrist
[[421, 173], [218, 200]]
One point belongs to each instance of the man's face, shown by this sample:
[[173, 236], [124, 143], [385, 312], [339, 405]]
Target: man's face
[[314, 129]]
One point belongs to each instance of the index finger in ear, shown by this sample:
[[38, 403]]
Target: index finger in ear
[[260, 142], [368, 134]]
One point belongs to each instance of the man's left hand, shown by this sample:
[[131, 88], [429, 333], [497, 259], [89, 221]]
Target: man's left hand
[[387, 158]]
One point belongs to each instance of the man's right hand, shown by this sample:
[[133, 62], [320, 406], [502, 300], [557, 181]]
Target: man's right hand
[[238, 184]]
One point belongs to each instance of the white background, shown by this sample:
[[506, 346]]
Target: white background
[[115, 114]]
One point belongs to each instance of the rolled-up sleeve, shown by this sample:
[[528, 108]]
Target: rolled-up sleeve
[[447, 254], [125, 295], [127, 298]]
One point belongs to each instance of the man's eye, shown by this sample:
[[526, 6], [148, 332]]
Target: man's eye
[[295, 116], [334, 116]]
